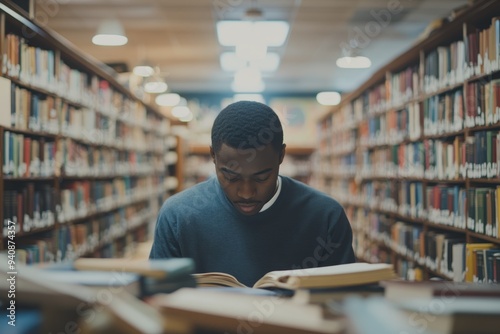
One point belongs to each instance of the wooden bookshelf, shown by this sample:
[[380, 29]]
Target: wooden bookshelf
[[415, 156], [85, 164]]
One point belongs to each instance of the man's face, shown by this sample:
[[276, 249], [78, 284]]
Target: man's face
[[248, 177]]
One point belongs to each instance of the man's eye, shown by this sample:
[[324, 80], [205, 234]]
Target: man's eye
[[231, 178], [262, 178]]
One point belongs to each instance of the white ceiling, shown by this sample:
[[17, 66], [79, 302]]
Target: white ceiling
[[179, 37]]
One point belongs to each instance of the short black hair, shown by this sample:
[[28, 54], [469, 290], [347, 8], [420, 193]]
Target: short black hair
[[247, 124]]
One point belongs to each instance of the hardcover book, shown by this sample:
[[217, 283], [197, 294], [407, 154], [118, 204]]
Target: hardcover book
[[405, 290], [159, 269]]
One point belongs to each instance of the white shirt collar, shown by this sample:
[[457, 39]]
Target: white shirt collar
[[273, 199]]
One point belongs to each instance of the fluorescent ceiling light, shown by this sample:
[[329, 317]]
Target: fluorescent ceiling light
[[354, 62], [269, 64], [328, 98], [168, 100], [248, 80], [247, 75], [110, 33], [251, 51], [271, 33], [230, 62]]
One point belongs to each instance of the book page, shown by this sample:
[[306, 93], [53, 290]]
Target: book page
[[217, 279], [330, 276]]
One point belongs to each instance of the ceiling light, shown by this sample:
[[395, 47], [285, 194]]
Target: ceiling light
[[110, 33], [269, 64], [155, 86], [328, 98], [231, 63], [247, 80], [168, 100], [251, 50], [271, 33], [354, 62], [187, 118], [143, 70], [247, 75], [180, 111]]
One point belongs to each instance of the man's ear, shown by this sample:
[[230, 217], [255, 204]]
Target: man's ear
[[282, 153], [212, 154]]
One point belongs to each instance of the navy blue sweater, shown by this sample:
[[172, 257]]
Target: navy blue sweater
[[303, 228]]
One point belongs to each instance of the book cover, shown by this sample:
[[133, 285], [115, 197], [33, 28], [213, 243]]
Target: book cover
[[470, 259], [113, 280], [5, 102], [455, 315], [324, 295]]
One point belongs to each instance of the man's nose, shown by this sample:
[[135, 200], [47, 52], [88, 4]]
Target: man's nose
[[246, 189]]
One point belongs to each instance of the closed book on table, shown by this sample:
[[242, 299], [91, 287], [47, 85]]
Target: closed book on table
[[323, 295], [155, 268], [221, 312], [397, 290]]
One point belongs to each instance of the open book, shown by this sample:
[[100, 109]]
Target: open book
[[322, 277]]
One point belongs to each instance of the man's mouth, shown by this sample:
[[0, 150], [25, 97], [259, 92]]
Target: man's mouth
[[247, 207]]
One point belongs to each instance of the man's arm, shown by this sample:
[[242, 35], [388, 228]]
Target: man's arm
[[165, 243], [338, 244]]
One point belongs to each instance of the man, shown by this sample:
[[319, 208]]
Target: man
[[249, 220]]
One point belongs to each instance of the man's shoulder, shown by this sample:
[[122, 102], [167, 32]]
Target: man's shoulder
[[297, 188], [187, 196]]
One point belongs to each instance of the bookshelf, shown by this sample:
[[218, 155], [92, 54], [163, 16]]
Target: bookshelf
[[85, 164], [413, 154]]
